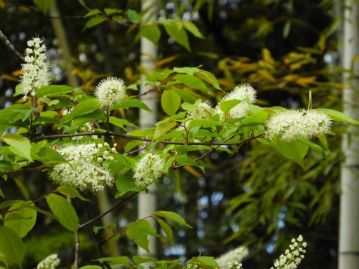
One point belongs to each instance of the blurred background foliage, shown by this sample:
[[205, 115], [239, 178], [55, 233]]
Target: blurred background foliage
[[255, 198]]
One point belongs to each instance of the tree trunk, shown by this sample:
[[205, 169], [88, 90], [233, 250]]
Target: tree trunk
[[349, 201], [147, 201]]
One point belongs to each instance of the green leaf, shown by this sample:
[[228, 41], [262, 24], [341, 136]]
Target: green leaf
[[19, 145], [192, 28], [191, 81], [11, 246], [139, 231], [112, 11], [53, 89], [131, 102], [206, 261], [227, 105], [92, 12], [43, 5], [83, 108], [162, 128], [173, 217], [133, 16], [125, 184], [20, 218], [170, 102], [120, 122], [293, 150], [115, 260], [151, 32], [177, 32], [209, 78], [139, 259], [338, 116], [92, 22], [63, 211], [71, 192], [167, 230], [48, 155], [15, 113], [91, 267]]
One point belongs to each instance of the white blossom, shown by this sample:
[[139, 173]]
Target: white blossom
[[110, 91], [233, 258], [293, 124], [50, 262], [148, 169], [35, 69], [201, 110], [246, 96], [85, 166], [293, 256]]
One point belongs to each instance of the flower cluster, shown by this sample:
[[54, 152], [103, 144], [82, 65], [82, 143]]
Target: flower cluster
[[243, 93], [293, 256], [233, 258], [50, 262], [201, 110], [294, 124], [85, 166], [110, 91], [148, 170], [35, 69]]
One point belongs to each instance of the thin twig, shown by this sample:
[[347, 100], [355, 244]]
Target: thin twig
[[7, 42]]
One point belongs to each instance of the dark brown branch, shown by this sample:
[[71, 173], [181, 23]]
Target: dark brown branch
[[7, 42]]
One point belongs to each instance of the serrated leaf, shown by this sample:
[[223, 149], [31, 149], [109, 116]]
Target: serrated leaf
[[139, 231], [115, 260], [48, 155], [139, 259], [120, 122], [293, 150], [11, 246], [192, 28], [83, 108], [20, 218], [63, 211], [19, 145], [43, 5], [53, 89], [209, 78], [177, 32], [71, 192], [173, 217], [133, 16], [92, 12], [92, 22], [191, 81], [338, 116], [162, 128], [125, 184], [227, 105], [166, 229], [151, 32], [170, 102], [131, 102], [112, 11]]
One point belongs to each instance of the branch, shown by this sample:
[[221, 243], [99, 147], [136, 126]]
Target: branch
[[145, 139], [77, 248], [7, 42]]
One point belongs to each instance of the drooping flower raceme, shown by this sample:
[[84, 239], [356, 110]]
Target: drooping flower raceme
[[50, 262], [233, 258], [245, 94], [292, 256], [35, 69], [148, 170], [110, 91], [85, 166], [201, 110], [293, 124]]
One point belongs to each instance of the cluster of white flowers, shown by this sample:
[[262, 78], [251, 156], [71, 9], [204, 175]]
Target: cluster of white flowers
[[85, 166], [292, 256], [50, 262], [35, 69], [110, 91], [148, 170], [233, 258], [243, 93], [201, 110], [294, 124]]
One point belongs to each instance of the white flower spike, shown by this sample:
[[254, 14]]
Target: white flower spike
[[233, 259], [110, 91], [50, 262], [243, 93], [148, 170], [35, 69], [294, 124], [84, 168]]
